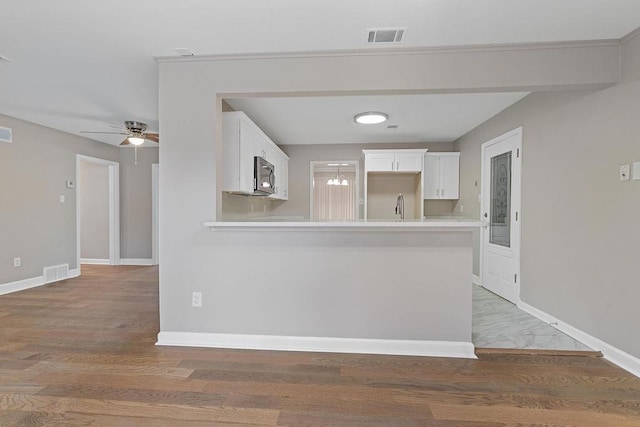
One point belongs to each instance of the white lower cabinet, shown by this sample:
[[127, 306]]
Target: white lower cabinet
[[441, 176]]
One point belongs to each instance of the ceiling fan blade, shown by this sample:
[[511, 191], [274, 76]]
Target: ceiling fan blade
[[125, 142], [118, 127], [152, 137], [111, 133]]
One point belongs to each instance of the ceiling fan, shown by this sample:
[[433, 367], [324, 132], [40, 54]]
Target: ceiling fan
[[136, 133]]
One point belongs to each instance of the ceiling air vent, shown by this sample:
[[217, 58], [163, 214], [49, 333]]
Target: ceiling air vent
[[386, 35]]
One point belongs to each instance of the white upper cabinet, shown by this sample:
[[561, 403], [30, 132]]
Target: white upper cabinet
[[393, 160], [280, 162], [242, 140], [441, 176]]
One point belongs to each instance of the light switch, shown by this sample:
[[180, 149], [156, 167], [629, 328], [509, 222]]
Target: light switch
[[624, 173], [635, 170], [61, 199]]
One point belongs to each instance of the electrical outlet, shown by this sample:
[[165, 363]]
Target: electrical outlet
[[196, 299], [624, 173], [17, 262]]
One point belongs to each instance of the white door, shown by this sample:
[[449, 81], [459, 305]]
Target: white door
[[501, 176]]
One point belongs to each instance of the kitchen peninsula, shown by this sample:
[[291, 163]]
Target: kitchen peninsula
[[384, 287]]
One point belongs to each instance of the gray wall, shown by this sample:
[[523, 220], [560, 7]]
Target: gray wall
[[93, 189], [300, 157], [580, 228], [136, 202], [195, 258], [34, 224]]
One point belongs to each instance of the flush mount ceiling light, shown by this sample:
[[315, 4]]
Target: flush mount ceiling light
[[370, 118]]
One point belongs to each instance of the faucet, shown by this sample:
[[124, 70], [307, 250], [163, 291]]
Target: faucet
[[400, 206]]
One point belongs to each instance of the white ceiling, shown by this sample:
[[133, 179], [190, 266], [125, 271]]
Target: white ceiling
[[84, 65], [329, 120]]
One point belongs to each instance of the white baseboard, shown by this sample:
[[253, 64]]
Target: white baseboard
[[136, 261], [96, 261], [34, 282], [21, 285], [476, 279], [615, 355], [320, 344]]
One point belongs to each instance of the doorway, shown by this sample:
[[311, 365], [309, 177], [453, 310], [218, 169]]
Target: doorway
[[334, 190], [500, 206], [155, 207], [109, 210]]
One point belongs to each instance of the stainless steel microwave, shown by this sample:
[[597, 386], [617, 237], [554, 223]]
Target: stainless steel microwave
[[264, 179]]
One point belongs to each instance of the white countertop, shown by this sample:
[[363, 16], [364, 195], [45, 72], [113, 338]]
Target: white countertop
[[430, 224]]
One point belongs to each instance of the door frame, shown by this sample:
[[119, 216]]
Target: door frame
[[312, 165], [155, 230], [114, 207], [516, 203]]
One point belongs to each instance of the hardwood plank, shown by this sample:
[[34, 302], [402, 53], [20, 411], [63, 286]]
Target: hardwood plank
[[61, 405], [500, 413]]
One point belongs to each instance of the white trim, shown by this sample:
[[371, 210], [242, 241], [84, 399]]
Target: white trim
[[321, 344], [615, 355], [114, 206], [496, 47], [21, 285], [136, 261], [155, 230], [34, 282], [475, 279], [96, 261]]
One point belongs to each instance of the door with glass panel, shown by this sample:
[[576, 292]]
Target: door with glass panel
[[500, 207]]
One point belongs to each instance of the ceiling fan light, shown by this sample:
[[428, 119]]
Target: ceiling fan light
[[136, 140], [370, 118]]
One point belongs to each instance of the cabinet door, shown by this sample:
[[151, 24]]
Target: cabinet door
[[245, 159], [408, 162], [380, 162], [431, 177], [283, 188], [449, 177]]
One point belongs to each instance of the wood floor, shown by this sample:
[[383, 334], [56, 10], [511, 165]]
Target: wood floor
[[81, 353]]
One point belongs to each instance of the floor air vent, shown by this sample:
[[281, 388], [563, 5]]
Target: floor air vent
[[6, 134], [386, 35], [55, 273]]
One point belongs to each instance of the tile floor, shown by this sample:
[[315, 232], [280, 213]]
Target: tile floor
[[499, 324]]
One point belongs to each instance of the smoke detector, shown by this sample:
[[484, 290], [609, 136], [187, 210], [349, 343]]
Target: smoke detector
[[386, 35]]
